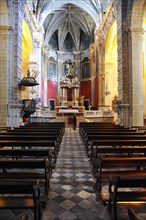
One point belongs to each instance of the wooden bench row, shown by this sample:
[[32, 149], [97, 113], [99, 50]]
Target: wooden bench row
[[92, 140], [83, 125], [21, 195], [106, 167], [118, 159], [26, 170], [118, 193], [124, 161], [104, 130], [25, 160]]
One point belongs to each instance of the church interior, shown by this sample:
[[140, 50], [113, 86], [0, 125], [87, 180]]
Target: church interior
[[72, 110]]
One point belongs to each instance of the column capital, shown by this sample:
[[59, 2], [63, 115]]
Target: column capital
[[60, 52], [76, 52], [136, 30], [37, 43], [6, 28], [45, 47]]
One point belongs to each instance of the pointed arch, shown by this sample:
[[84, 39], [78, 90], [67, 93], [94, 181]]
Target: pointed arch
[[136, 63], [111, 64], [27, 47]]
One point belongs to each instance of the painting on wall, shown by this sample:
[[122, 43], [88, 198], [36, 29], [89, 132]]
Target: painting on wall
[[52, 70], [85, 70], [65, 69]]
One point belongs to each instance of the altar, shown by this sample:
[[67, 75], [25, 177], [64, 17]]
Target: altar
[[69, 111], [69, 100]]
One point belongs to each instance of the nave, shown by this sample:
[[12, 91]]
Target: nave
[[72, 194]]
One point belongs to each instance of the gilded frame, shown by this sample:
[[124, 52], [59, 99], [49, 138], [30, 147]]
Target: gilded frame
[[52, 70], [85, 70]]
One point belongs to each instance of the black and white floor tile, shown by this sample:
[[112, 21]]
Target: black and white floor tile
[[72, 195]]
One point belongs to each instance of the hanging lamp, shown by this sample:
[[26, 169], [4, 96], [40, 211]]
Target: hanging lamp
[[28, 80]]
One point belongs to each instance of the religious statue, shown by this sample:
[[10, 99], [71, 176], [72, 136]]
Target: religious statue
[[38, 103], [64, 80], [115, 104], [58, 100], [81, 100], [71, 70]]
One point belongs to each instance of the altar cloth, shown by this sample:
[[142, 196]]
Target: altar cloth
[[68, 111]]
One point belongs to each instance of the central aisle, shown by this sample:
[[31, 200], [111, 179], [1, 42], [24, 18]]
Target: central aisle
[[72, 194]]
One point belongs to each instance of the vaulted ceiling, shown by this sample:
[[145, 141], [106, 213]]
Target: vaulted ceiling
[[63, 20]]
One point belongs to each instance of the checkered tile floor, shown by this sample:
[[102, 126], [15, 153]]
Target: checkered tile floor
[[72, 194]]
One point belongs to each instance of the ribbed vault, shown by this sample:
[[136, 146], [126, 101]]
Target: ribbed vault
[[74, 17]]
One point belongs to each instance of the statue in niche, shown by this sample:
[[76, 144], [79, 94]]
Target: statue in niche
[[58, 100], [71, 70], [81, 100], [116, 104]]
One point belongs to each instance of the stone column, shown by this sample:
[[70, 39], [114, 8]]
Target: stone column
[[37, 58], [137, 77], [45, 75], [101, 51], [5, 32], [124, 58], [60, 70]]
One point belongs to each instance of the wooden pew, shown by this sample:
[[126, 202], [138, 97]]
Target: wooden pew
[[83, 125], [46, 124], [24, 169], [57, 135], [27, 154], [116, 143], [118, 136], [118, 191], [17, 153], [35, 144], [120, 143], [33, 137], [20, 195], [106, 131], [40, 129], [98, 125], [107, 167], [116, 152]]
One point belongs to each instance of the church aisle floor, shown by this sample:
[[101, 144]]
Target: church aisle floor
[[72, 195]]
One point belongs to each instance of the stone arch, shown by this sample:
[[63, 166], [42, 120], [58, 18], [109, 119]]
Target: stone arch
[[137, 13], [4, 13], [136, 63], [111, 63], [27, 53], [27, 46], [102, 34]]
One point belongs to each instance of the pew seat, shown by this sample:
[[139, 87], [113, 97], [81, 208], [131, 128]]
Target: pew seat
[[26, 170], [21, 195], [118, 192]]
